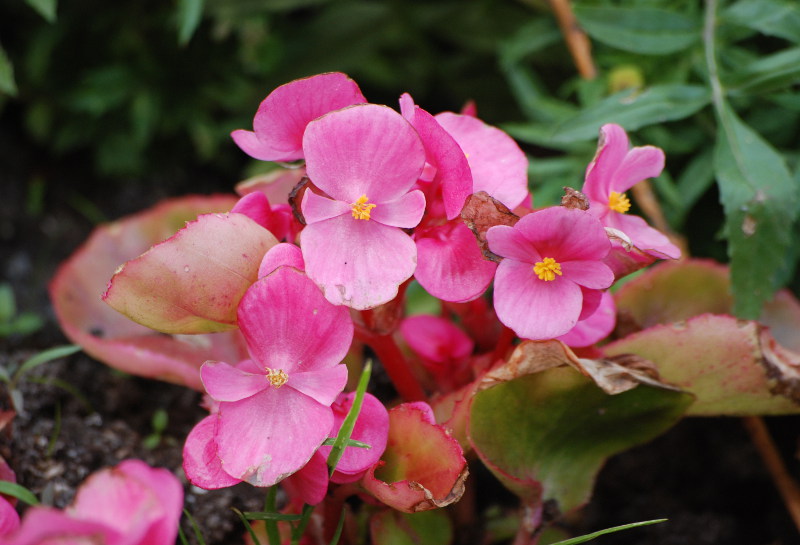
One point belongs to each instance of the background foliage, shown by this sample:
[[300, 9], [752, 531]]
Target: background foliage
[[128, 92]]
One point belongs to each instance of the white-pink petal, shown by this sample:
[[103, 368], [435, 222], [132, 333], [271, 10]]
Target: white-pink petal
[[224, 382]]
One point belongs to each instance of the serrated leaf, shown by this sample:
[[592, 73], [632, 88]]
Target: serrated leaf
[[779, 18], [7, 83], [45, 8], [761, 205], [648, 31], [634, 110], [190, 12]]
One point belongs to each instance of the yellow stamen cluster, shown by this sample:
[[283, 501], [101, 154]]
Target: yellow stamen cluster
[[361, 208], [547, 269], [277, 377], [619, 202]]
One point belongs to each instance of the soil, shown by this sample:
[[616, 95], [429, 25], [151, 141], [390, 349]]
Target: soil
[[79, 415]]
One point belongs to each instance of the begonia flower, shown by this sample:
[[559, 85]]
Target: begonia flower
[[594, 328], [130, 504], [616, 168], [366, 159], [443, 348], [552, 271], [274, 409], [282, 116]]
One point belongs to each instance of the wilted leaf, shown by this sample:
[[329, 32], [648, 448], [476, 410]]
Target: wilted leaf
[[480, 212], [734, 367], [779, 18], [545, 429], [641, 30], [761, 205], [111, 337], [633, 110], [192, 282], [422, 468], [391, 527]]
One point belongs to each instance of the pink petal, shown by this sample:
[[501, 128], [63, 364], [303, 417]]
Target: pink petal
[[276, 184], [371, 427], [512, 243], [646, 238], [639, 164], [283, 115], [281, 255], [565, 234], [201, 463], [289, 325], [596, 327], [533, 308], [498, 166], [405, 212], [256, 207], [142, 502], [226, 383], [310, 483], [45, 525], [611, 150], [436, 339], [323, 385], [450, 265], [265, 438], [9, 518], [443, 152], [317, 208], [591, 274], [358, 263], [363, 150], [591, 301]]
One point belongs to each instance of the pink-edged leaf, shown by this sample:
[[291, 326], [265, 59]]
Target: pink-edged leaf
[[734, 367], [422, 468], [201, 462], [109, 336], [192, 282]]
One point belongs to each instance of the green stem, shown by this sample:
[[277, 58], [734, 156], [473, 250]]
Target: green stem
[[709, 28], [273, 536]]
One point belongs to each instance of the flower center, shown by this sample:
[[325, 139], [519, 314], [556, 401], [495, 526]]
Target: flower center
[[547, 269], [277, 377], [619, 202], [361, 208]]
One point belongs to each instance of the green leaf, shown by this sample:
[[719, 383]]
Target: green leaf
[[337, 450], [546, 435], [247, 526], [19, 492], [7, 83], [8, 304], [45, 8], [779, 18], [632, 110], [648, 31], [330, 441], [260, 515], [391, 527], [190, 12], [770, 73], [46, 356], [693, 182], [589, 537], [761, 205]]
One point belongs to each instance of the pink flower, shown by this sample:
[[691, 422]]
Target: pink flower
[[443, 348], [274, 409], [552, 273], [130, 504], [282, 116], [593, 328], [366, 159], [614, 170]]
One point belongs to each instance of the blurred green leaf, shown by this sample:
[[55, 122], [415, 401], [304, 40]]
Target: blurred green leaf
[[648, 31], [761, 205], [632, 110], [693, 182], [45, 8], [769, 73], [8, 303], [190, 12], [779, 18], [589, 537], [7, 83], [390, 527], [46, 356], [19, 492]]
